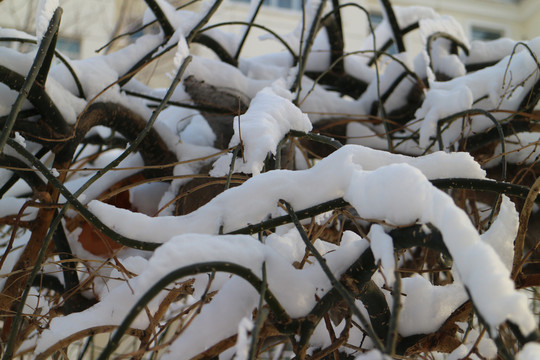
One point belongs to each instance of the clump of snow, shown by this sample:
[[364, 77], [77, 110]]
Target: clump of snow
[[439, 50], [486, 51], [294, 289], [529, 352], [243, 341], [300, 188], [383, 250], [425, 306], [506, 84], [441, 103], [377, 191], [44, 14], [503, 231], [269, 118], [20, 139], [377, 195]]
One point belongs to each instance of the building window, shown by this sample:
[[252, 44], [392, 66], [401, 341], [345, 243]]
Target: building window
[[285, 4], [376, 19], [282, 4], [485, 34], [69, 47]]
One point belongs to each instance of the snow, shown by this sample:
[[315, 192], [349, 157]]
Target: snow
[[485, 51], [386, 189], [383, 251], [529, 352], [373, 355], [504, 83], [521, 148], [439, 104], [293, 288], [271, 115], [386, 80], [107, 180], [425, 306], [243, 342], [44, 14], [376, 195], [20, 139], [503, 231], [293, 38], [370, 186], [301, 188]]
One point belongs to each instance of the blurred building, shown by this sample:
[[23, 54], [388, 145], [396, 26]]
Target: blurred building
[[481, 19], [88, 25]]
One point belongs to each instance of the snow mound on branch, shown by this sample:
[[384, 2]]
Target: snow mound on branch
[[378, 184], [259, 195], [269, 118], [44, 14]]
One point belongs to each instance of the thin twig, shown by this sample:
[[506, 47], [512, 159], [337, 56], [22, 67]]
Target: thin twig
[[48, 40], [519, 243], [335, 282]]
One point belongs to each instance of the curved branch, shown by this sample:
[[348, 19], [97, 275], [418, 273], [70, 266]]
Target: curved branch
[[168, 30], [258, 26], [248, 29], [217, 266], [216, 47], [487, 114], [396, 31], [37, 75], [152, 148], [203, 21], [39, 98]]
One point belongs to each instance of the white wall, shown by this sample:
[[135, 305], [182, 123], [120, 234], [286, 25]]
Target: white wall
[[89, 21], [515, 21]]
